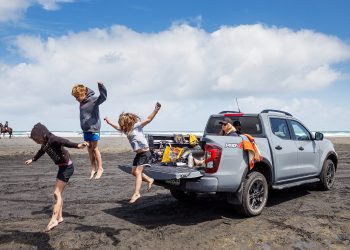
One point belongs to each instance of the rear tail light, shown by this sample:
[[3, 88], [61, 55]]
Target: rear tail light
[[212, 158]]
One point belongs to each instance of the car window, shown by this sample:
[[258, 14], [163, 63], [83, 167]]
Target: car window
[[300, 132], [250, 124], [280, 128]]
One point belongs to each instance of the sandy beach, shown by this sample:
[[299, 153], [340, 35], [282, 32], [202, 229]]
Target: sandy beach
[[97, 213]]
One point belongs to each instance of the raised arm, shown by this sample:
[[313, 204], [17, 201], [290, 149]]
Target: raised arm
[[115, 126], [152, 115], [103, 93], [66, 143]]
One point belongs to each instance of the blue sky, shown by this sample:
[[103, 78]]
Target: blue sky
[[194, 56]]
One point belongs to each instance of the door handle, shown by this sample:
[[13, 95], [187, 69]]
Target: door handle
[[278, 147], [301, 148]]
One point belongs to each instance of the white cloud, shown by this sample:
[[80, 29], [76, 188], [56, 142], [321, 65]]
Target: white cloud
[[13, 10], [314, 113], [192, 72], [52, 4]]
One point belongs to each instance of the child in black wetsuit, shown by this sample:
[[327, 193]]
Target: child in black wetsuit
[[54, 147]]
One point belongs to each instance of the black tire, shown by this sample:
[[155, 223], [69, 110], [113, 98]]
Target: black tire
[[183, 196], [327, 176], [254, 195]]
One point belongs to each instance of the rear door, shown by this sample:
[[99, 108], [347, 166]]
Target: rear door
[[284, 150], [308, 159], [159, 172]]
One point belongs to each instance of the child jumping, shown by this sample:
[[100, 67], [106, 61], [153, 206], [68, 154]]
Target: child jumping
[[131, 125], [90, 123], [54, 147]]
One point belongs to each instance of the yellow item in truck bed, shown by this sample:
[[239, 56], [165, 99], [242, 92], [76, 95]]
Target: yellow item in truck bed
[[171, 154], [192, 140]]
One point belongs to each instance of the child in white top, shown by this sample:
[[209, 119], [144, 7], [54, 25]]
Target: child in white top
[[131, 125]]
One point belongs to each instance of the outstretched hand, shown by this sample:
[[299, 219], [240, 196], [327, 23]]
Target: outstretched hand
[[28, 162], [83, 145], [106, 119], [99, 83]]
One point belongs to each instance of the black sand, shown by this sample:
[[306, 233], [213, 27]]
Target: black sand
[[97, 213]]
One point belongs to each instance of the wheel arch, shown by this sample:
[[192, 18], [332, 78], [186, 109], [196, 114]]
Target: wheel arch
[[265, 168], [333, 157]]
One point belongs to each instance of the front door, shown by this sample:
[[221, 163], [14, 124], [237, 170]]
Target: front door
[[307, 149]]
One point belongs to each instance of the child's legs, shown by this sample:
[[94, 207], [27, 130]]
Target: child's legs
[[92, 156], [97, 154], [146, 178], [60, 215], [137, 172], [57, 209]]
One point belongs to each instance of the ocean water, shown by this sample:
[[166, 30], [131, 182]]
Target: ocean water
[[118, 134], [104, 133]]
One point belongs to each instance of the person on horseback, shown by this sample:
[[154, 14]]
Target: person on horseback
[[6, 126], [5, 129]]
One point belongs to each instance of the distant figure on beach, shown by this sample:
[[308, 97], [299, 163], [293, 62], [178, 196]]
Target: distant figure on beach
[[132, 126], [5, 129], [54, 147], [90, 123]]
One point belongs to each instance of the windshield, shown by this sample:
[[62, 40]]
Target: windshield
[[249, 125]]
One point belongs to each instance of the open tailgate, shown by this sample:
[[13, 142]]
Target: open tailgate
[[159, 172]]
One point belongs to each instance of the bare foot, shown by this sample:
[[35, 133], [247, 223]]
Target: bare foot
[[60, 220], [99, 174], [51, 225], [93, 173], [134, 198], [150, 184]]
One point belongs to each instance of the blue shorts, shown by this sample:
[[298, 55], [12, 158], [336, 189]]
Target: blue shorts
[[91, 136]]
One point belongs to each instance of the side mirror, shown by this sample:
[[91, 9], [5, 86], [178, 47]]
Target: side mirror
[[318, 136]]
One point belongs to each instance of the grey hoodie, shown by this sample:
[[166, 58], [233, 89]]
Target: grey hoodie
[[89, 111]]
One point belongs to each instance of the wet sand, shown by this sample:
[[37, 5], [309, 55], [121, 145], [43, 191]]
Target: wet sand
[[97, 213]]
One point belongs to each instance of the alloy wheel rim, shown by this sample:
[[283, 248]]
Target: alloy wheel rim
[[330, 175], [256, 195]]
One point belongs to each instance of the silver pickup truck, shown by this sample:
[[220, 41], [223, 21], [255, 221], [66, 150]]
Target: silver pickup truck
[[292, 156]]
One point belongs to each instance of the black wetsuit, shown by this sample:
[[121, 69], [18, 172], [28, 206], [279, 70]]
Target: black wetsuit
[[54, 147]]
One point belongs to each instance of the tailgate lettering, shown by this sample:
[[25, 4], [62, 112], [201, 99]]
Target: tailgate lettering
[[231, 145]]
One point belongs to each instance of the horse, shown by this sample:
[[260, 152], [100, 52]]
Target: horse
[[4, 130]]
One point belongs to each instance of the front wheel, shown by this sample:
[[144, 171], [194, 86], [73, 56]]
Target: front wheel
[[327, 176], [183, 195], [254, 195]]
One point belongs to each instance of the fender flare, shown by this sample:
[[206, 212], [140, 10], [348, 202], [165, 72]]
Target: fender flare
[[237, 197], [332, 156]]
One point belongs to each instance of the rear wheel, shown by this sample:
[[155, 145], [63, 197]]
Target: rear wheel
[[254, 196], [327, 175], [183, 195]]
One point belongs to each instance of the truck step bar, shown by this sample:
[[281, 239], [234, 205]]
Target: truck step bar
[[294, 184]]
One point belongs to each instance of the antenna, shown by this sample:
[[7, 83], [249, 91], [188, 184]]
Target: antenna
[[238, 105]]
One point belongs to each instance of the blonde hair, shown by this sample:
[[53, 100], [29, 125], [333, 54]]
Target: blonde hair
[[231, 129], [78, 89], [127, 121]]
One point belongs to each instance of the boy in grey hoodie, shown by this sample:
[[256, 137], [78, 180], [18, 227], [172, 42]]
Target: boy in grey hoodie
[[90, 122]]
